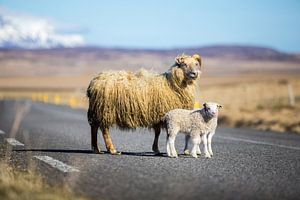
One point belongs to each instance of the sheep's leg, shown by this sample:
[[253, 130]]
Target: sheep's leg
[[155, 142], [195, 143], [94, 131], [108, 143], [186, 146], [204, 139]]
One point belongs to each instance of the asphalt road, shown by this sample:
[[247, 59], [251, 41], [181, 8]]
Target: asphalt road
[[247, 164]]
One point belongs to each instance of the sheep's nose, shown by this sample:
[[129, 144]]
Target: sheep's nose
[[193, 74]]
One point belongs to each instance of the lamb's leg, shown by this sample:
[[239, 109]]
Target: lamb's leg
[[168, 147], [198, 147], [186, 146], [155, 142], [195, 142], [204, 139], [94, 131], [108, 143], [209, 138], [171, 151], [172, 146]]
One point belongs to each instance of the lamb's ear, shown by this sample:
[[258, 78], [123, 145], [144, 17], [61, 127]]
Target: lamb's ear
[[179, 59], [220, 106], [198, 58], [204, 105]]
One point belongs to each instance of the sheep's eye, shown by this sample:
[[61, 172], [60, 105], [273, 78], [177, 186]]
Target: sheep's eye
[[183, 65]]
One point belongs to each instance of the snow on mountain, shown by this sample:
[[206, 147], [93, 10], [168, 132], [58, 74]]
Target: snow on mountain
[[18, 31]]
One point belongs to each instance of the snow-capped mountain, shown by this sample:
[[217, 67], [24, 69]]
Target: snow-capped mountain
[[18, 31]]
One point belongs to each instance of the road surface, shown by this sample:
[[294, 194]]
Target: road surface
[[55, 142]]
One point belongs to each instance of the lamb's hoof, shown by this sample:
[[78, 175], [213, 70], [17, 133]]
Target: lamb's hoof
[[194, 155], [186, 152], [207, 156]]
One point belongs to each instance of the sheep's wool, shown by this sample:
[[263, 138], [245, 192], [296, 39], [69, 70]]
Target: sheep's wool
[[132, 100]]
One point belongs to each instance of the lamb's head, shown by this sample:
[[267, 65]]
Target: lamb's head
[[190, 66], [211, 109]]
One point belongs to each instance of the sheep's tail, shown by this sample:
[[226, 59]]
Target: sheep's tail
[[89, 91]]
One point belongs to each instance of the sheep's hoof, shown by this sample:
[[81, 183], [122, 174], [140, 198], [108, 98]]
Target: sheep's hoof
[[115, 152], [156, 150], [97, 150], [186, 152]]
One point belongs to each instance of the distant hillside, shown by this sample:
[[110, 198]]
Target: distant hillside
[[218, 60], [242, 52], [220, 51]]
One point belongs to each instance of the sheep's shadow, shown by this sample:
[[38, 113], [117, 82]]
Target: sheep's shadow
[[82, 151]]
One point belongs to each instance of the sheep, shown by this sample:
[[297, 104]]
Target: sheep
[[197, 124], [130, 100]]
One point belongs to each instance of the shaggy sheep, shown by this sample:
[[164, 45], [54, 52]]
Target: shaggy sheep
[[194, 123], [131, 100]]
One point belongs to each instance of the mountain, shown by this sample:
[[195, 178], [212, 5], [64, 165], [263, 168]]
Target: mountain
[[220, 51], [28, 32]]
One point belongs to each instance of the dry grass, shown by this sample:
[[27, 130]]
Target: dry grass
[[258, 103], [22, 185]]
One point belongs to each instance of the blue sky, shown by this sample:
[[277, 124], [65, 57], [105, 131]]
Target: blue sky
[[168, 24]]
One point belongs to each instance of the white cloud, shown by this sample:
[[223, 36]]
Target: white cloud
[[17, 30]]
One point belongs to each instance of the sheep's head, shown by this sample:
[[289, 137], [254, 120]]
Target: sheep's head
[[190, 65], [211, 108]]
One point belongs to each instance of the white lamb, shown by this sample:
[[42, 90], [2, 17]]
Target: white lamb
[[196, 124]]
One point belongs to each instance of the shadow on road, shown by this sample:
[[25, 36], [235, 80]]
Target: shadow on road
[[145, 154], [56, 150]]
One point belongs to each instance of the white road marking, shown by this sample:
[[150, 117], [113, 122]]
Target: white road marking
[[57, 164], [2, 132], [14, 142], [258, 142]]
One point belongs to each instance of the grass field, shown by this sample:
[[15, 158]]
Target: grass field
[[266, 103]]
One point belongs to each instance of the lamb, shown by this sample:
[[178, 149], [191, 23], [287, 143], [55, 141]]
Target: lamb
[[131, 100], [196, 124]]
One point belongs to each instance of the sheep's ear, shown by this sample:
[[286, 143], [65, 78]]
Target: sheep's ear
[[220, 106], [180, 59], [198, 58], [204, 105]]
